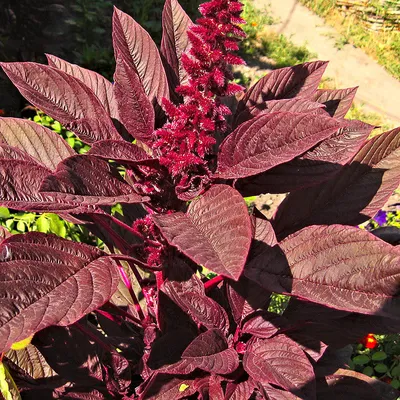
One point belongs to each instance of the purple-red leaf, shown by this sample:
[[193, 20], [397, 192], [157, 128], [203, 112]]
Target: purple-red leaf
[[136, 111], [353, 196], [240, 391], [209, 352], [314, 166], [90, 181], [269, 140], [341, 267], [201, 308], [42, 144], [120, 151], [263, 324], [54, 282], [296, 105], [299, 81], [63, 97], [336, 101], [175, 40], [282, 362], [135, 46], [215, 232], [100, 86]]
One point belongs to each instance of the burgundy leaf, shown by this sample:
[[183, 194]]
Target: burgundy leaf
[[120, 151], [284, 83], [209, 352], [201, 308], [282, 362], [336, 101], [296, 105], [240, 391], [135, 46], [215, 231], [273, 393], [88, 180], [136, 111], [263, 324], [264, 235], [63, 97], [175, 40], [355, 194], [55, 282], [310, 345], [4, 233], [313, 167], [12, 153], [31, 361], [100, 86], [341, 267], [42, 144], [269, 140]]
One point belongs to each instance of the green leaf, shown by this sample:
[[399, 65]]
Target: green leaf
[[57, 225], [379, 356], [368, 371], [10, 224], [21, 226], [4, 213], [395, 383], [43, 224], [361, 359], [381, 368], [71, 141], [395, 371]]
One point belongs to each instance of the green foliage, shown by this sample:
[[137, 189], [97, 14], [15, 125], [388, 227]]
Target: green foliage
[[278, 303]]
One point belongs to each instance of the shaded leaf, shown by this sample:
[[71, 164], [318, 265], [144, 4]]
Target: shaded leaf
[[269, 140], [136, 111], [100, 86], [341, 267], [355, 194], [63, 97], [215, 231], [302, 80], [42, 144], [90, 181], [336, 101], [55, 282], [263, 324]]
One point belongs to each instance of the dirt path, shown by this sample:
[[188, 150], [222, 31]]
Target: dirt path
[[348, 67]]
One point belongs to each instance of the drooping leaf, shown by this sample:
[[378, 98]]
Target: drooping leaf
[[263, 324], [353, 196], [135, 46], [215, 231], [336, 101], [344, 268], [120, 151], [269, 140], [90, 181], [175, 40], [240, 391], [54, 282], [42, 144], [210, 352], [315, 166], [65, 98], [284, 83], [280, 361], [296, 105], [136, 111], [31, 361], [100, 86]]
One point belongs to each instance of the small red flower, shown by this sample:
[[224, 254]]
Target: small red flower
[[369, 341]]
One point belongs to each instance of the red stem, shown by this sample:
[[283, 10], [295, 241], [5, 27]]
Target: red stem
[[93, 337], [213, 282], [123, 313]]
